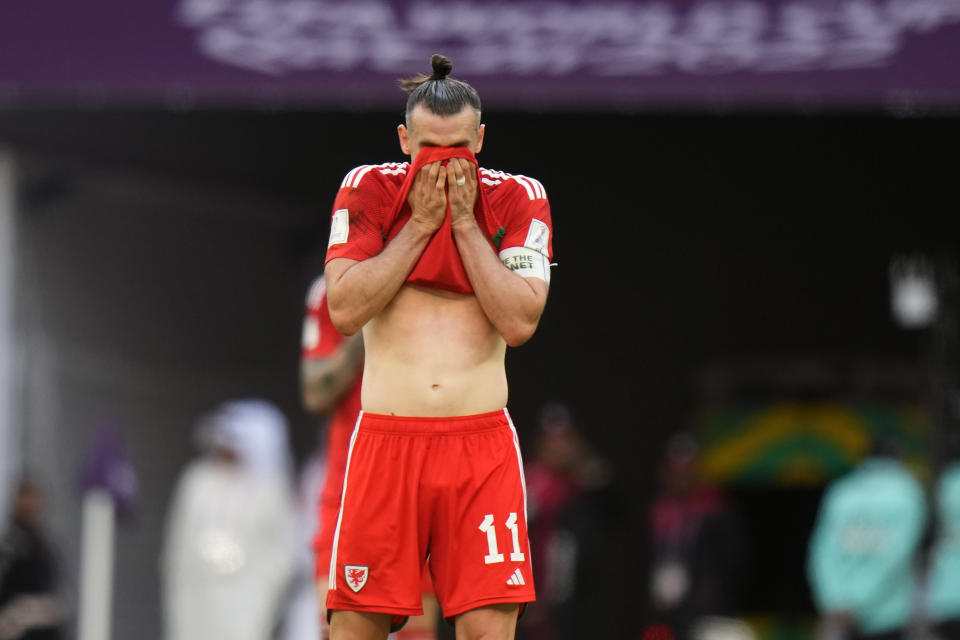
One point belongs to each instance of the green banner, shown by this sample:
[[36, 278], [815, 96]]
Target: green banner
[[805, 443]]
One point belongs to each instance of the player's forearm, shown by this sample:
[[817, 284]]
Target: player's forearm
[[323, 381], [358, 291], [512, 304]]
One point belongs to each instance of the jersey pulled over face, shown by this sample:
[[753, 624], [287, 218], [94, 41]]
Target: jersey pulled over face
[[364, 220]]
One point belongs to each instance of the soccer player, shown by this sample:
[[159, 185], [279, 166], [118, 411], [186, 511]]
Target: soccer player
[[442, 265], [331, 368]]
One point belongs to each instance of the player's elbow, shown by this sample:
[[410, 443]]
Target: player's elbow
[[519, 325], [344, 321], [518, 332], [517, 339], [348, 326]]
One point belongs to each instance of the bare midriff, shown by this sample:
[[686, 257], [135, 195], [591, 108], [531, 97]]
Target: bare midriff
[[433, 353]]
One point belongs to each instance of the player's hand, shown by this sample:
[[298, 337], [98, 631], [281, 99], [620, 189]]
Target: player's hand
[[462, 190], [428, 196]]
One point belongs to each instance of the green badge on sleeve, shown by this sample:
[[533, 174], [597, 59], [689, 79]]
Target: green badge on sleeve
[[497, 239]]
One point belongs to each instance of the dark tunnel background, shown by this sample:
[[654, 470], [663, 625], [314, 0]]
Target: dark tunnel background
[[681, 240]]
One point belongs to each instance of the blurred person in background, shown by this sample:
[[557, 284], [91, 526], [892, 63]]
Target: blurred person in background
[[442, 265], [230, 547], [864, 547], [331, 371], [698, 550], [30, 607], [331, 368], [943, 586], [569, 520], [552, 483]]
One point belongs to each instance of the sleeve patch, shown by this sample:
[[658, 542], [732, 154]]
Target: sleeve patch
[[526, 262], [538, 237], [339, 227]]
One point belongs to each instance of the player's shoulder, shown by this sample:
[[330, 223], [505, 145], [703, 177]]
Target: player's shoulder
[[386, 174], [512, 185], [316, 293]]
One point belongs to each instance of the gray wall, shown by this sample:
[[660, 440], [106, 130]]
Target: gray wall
[[143, 302], [7, 340]]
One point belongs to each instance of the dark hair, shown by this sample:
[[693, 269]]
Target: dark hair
[[441, 95]]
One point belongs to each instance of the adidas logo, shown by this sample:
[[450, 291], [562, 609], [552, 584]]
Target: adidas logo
[[516, 579]]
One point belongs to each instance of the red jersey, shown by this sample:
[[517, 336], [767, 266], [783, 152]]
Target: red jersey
[[366, 215], [320, 339]]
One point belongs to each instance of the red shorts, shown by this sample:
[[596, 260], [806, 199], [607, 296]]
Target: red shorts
[[338, 434], [447, 489]]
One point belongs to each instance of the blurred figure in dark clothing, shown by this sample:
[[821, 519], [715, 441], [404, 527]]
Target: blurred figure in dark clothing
[[582, 554], [30, 607], [698, 548], [567, 524]]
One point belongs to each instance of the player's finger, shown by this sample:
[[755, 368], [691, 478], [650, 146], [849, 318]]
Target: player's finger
[[442, 178], [432, 170], [458, 172]]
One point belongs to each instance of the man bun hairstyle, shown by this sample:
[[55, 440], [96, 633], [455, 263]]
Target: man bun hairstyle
[[437, 92], [441, 65]]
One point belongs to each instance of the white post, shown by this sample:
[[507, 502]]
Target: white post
[[96, 566], [9, 444]]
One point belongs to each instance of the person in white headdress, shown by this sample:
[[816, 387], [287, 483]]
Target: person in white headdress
[[229, 551]]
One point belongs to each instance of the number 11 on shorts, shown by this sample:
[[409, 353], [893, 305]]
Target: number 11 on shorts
[[493, 555]]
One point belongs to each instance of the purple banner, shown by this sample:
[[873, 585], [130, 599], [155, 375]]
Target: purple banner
[[107, 468], [546, 54]]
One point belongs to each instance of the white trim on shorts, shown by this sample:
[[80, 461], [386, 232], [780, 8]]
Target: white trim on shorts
[[332, 576], [516, 445], [523, 482]]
